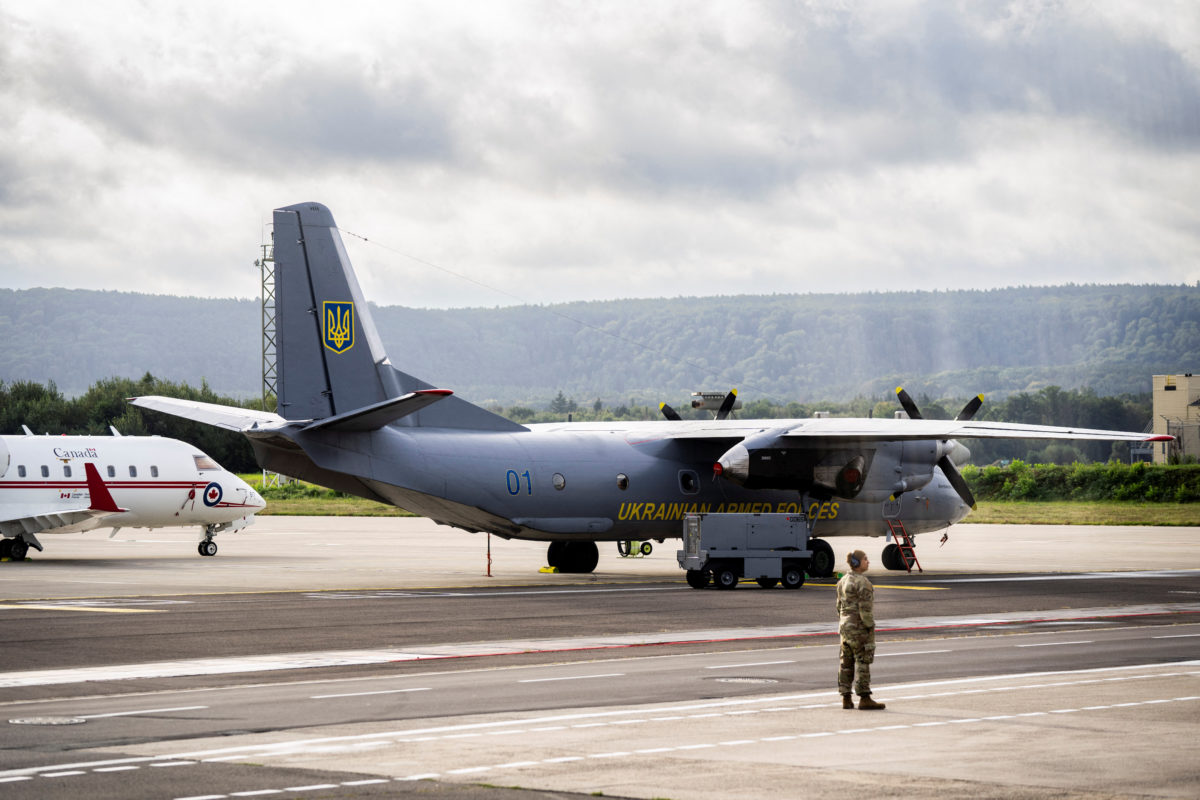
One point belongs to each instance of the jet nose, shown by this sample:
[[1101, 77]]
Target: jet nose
[[253, 499]]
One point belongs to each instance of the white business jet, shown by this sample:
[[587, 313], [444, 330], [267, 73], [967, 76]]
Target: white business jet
[[67, 484]]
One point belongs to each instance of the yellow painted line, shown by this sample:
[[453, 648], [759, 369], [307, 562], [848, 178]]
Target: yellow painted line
[[84, 608]]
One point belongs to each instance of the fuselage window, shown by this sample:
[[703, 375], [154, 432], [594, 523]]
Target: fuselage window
[[45, 471], [689, 482], [153, 471], [622, 481], [132, 471], [20, 470], [204, 462], [66, 471], [112, 471]]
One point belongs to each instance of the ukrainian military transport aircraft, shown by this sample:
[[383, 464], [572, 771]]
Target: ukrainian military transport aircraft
[[349, 420], [58, 484]]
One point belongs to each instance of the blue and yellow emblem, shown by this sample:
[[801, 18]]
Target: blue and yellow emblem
[[338, 325]]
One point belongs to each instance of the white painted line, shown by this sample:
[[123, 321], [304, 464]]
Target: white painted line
[[64, 774], [1178, 636], [256, 793], [203, 797], [315, 787], [116, 769], [752, 664], [367, 694], [573, 678], [173, 763], [1058, 644], [142, 711], [16, 778], [370, 782]]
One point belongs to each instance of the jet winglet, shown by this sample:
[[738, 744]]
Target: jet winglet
[[102, 499], [375, 416]]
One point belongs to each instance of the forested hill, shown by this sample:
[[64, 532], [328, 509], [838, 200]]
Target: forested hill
[[786, 347]]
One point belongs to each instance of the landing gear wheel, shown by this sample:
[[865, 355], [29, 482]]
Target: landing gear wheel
[[647, 548], [892, 557], [698, 578], [821, 563], [793, 576], [574, 557], [556, 554], [6, 548], [18, 549], [724, 577], [767, 583], [207, 548]]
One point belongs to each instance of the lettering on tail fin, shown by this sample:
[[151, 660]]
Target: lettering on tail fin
[[338, 325]]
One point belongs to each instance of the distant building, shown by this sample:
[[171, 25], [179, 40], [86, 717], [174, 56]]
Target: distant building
[[1177, 413]]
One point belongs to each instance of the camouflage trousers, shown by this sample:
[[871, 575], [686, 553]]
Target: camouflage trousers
[[858, 650]]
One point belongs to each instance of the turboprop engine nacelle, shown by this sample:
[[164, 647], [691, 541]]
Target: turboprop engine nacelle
[[918, 460]]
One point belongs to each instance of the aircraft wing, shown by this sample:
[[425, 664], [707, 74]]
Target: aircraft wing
[[910, 429], [31, 519], [847, 429], [228, 417]]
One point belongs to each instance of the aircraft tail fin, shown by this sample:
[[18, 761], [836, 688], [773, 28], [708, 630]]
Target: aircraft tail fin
[[330, 360]]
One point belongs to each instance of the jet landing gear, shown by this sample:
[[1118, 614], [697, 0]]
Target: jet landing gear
[[574, 557], [207, 546], [891, 557], [16, 549]]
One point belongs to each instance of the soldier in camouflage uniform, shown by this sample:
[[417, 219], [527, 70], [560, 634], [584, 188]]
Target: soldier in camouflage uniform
[[856, 624]]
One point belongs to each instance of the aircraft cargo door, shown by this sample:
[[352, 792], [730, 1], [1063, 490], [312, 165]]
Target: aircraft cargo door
[[5, 457]]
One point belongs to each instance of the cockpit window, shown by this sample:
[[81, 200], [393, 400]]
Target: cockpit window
[[203, 462]]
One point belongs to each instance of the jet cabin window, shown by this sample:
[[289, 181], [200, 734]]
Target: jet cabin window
[[204, 462], [112, 471], [132, 471], [66, 471], [153, 471], [20, 470], [45, 471]]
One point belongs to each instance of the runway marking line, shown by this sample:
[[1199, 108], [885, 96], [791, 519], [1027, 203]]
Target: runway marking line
[[396, 737], [100, 609]]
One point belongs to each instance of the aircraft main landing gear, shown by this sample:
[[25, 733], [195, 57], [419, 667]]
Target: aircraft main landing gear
[[574, 557], [14, 549], [821, 563]]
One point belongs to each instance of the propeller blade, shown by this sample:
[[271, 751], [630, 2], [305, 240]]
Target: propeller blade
[[907, 403], [956, 480], [669, 412], [970, 408], [727, 404]]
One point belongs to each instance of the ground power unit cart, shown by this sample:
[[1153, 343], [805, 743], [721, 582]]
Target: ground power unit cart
[[723, 548]]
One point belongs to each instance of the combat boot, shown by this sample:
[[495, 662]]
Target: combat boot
[[847, 701], [865, 703]]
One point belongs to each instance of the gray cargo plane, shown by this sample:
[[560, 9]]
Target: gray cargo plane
[[349, 420]]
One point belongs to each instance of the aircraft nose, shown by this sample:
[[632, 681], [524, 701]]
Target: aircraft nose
[[253, 498]]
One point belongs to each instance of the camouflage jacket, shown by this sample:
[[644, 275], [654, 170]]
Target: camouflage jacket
[[856, 600]]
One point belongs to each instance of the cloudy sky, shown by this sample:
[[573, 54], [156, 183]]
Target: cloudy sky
[[558, 151]]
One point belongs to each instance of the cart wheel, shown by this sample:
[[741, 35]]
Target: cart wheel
[[647, 548], [793, 576], [767, 583], [698, 578], [724, 577]]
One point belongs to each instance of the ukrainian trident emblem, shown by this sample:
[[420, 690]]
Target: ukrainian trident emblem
[[339, 325]]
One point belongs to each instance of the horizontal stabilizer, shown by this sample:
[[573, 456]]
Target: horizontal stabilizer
[[377, 415]]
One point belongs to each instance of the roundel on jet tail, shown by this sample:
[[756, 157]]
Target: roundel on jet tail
[[212, 494]]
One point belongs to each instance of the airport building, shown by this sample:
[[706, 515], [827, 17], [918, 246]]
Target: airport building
[[1177, 413]]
